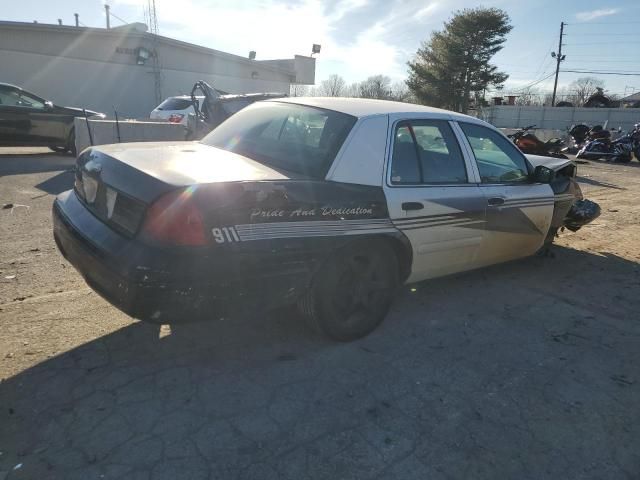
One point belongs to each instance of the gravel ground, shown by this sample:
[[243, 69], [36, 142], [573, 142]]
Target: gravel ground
[[525, 370]]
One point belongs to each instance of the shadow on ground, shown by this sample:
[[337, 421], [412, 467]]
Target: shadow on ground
[[26, 163], [524, 370], [598, 183], [58, 183]]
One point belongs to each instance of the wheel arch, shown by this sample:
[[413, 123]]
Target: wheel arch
[[396, 241], [404, 253]]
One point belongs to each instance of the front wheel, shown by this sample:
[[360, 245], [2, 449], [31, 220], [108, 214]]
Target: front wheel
[[352, 293]]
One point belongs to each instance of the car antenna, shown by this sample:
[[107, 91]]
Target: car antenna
[[88, 127], [117, 124]]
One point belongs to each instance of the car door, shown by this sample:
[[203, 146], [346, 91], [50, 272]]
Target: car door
[[519, 211], [431, 199], [27, 120], [14, 121]]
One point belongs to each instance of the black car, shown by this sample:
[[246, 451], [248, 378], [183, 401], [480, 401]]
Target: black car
[[29, 120]]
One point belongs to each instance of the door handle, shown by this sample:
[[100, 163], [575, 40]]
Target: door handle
[[412, 206], [495, 201]]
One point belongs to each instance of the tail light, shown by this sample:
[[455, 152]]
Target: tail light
[[175, 118], [174, 219]]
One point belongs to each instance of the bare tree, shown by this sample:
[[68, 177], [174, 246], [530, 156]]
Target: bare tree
[[377, 86], [530, 97], [582, 88], [298, 90], [332, 87], [352, 90], [400, 92]]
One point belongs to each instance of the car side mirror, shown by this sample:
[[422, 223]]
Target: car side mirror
[[48, 105], [542, 174]]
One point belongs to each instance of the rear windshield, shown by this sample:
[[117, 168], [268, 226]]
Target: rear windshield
[[175, 104], [295, 138]]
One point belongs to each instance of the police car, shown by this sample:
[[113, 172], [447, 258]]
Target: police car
[[327, 203]]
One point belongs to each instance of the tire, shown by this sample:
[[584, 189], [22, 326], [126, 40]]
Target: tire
[[351, 294], [58, 148], [70, 146], [71, 142]]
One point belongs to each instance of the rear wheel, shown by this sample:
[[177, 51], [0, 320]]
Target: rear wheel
[[58, 148], [352, 292]]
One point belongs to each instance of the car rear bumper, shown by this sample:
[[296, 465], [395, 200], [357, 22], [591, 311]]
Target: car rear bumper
[[158, 285]]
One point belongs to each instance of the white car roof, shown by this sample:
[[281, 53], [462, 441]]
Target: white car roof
[[183, 97], [365, 107]]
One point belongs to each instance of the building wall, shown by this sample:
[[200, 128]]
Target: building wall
[[96, 68]]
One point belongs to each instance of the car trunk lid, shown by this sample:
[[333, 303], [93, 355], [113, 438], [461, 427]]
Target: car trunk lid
[[118, 182]]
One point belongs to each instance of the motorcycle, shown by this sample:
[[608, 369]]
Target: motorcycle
[[618, 151], [579, 134], [527, 142]]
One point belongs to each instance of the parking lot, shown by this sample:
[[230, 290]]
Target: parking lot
[[525, 370]]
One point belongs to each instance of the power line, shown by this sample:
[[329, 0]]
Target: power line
[[115, 16], [602, 34], [526, 87], [602, 23], [582, 60], [596, 43], [594, 72]]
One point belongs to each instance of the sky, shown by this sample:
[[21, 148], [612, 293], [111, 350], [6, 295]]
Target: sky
[[360, 38]]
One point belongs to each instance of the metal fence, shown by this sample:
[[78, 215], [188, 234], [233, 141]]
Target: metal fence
[[559, 118]]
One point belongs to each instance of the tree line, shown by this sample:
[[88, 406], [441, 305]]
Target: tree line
[[376, 86], [576, 94]]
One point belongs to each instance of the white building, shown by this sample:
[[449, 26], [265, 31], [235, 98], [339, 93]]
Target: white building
[[106, 69]]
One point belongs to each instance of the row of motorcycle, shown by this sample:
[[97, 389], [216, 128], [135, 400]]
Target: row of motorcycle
[[590, 143]]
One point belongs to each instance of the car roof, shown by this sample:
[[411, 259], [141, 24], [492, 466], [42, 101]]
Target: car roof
[[183, 97], [9, 85], [364, 107], [250, 96]]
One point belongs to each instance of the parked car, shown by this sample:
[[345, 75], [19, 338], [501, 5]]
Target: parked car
[[327, 203], [175, 109], [216, 107], [29, 120]]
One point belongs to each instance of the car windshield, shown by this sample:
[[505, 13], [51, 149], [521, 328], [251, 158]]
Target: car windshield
[[175, 104], [296, 138]]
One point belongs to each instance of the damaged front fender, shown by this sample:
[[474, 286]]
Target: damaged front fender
[[571, 210]]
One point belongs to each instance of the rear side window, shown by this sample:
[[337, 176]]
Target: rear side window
[[426, 152], [233, 106], [175, 104], [296, 138], [13, 97], [499, 161]]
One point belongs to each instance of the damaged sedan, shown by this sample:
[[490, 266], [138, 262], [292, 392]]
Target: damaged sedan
[[327, 203]]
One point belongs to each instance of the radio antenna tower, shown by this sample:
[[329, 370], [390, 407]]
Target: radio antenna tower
[[155, 60]]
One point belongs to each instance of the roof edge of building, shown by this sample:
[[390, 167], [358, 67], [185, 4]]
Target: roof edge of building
[[119, 31]]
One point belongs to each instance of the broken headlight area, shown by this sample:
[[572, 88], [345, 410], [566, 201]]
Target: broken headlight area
[[581, 213]]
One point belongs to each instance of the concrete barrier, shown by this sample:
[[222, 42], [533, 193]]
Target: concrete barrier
[[105, 132]]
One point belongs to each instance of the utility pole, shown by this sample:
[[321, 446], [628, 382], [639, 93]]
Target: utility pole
[[77, 20], [106, 11], [559, 58], [155, 61]]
